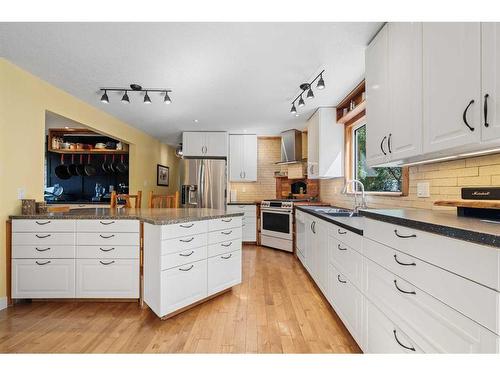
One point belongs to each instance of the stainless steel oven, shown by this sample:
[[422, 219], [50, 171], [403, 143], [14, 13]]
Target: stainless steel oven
[[277, 225]]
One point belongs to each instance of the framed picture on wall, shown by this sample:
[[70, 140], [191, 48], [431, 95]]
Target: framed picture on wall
[[162, 175]]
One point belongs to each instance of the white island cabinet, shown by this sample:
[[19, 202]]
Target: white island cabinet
[[188, 262]]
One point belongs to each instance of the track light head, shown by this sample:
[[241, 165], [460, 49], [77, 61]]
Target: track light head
[[104, 97], [321, 83], [310, 93], [301, 101], [147, 99], [293, 110], [167, 99], [125, 98]]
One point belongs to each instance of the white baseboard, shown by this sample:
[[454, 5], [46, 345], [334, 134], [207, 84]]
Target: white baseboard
[[3, 303]]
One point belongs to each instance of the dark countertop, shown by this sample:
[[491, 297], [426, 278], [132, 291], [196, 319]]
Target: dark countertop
[[442, 223], [354, 224], [156, 216]]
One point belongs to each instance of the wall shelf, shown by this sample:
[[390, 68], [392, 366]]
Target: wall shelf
[[91, 152], [351, 114]]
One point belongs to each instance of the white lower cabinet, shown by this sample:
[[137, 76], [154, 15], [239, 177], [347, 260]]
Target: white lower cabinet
[[224, 271], [43, 278]]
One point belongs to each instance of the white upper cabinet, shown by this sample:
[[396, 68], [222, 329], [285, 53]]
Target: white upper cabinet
[[325, 145], [490, 104], [451, 85], [242, 157], [204, 144]]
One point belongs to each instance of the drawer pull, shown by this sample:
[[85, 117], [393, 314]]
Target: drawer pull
[[227, 220], [111, 248], [106, 223], [341, 248], [401, 290], [42, 264], [106, 264], [186, 225], [41, 236], [42, 222], [229, 256], [340, 232], [403, 264], [38, 249], [404, 236], [227, 233], [186, 255], [186, 269], [188, 240], [227, 245], [341, 281], [400, 344], [110, 236]]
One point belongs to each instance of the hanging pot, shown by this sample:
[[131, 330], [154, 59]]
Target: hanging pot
[[121, 167], [90, 170], [112, 166], [72, 167], [104, 165], [80, 167], [62, 170]]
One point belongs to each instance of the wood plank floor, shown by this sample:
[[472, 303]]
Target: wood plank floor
[[276, 309]]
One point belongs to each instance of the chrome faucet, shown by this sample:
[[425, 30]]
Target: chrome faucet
[[363, 196]]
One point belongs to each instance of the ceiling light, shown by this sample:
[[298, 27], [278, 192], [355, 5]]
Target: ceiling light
[[296, 115], [310, 94], [293, 110], [301, 101], [167, 99], [147, 100], [321, 82], [125, 98], [104, 97], [195, 120]]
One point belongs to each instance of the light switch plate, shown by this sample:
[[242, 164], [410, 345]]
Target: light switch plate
[[21, 192], [423, 190]]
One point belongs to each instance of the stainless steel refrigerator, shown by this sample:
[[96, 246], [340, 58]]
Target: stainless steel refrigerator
[[203, 183]]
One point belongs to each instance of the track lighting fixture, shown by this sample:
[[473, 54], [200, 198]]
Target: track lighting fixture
[[135, 88], [310, 94]]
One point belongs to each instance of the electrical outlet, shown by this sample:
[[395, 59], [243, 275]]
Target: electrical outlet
[[21, 193], [423, 190]]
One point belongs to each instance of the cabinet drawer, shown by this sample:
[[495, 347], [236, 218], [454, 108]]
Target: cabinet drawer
[[224, 223], [432, 325], [382, 336], [106, 239], [182, 286], [106, 278], [249, 228], [225, 235], [107, 252], [224, 271], [347, 301], [42, 225], [183, 257], [475, 262], [183, 229], [346, 259], [52, 251], [249, 210], [43, 278], [349, 238], [43, 238], [223, 247], [113, 226], [176, 245]]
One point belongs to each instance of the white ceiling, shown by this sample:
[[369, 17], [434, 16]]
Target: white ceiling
[[229, 76]]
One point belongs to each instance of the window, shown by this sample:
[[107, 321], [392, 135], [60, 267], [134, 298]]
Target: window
[[388, 179]]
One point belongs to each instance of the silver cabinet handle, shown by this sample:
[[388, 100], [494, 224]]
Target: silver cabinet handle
[[341, 248], [313, 227], [226, 233], [42, 222], [403, 264], [400, 344], [41, 236], [42, 264], [188, 240], [241, 174], [106, 264], [38, 249], [227, 245], [340, 232], [227, 220], [186, 225], [186, 255], [401, 290], [106, 223], [229, 256], [404, 236], [110, 236], [244, 174], [111, 248], [341, 281], [186, 269]]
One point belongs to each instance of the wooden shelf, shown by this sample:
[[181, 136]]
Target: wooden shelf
[[92, 152], [495, 204], [351, 114]]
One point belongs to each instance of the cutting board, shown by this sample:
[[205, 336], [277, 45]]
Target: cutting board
[[495, 204]]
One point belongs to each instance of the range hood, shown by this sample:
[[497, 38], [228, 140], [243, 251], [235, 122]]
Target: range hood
[[291, 147]]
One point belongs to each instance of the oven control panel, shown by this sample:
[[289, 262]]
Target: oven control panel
[[277, 204]]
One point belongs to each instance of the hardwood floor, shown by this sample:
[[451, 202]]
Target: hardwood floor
[[276, 309]]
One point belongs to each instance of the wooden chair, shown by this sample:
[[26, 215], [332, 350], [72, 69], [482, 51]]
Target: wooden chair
[[163, 201], [126, 197]]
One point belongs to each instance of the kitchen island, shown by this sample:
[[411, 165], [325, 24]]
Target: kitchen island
[[179, 256]]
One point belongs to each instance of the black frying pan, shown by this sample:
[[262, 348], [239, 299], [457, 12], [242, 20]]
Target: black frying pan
[[104, 165], [80, 167], [113, 165], [72, 167], [121, 167], [62, 170], [90, 170]]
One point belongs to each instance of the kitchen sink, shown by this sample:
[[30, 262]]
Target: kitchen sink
[[336, 212]]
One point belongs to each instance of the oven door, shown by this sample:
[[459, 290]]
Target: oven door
[[276, 223]]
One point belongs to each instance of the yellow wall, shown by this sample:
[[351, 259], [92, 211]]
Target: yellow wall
[[24, 99]]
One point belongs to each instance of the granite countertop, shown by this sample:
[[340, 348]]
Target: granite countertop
[[156, 216], [442, 223], [244, 203], [354, 224]]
